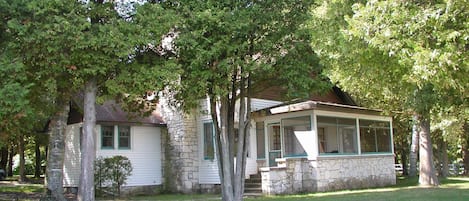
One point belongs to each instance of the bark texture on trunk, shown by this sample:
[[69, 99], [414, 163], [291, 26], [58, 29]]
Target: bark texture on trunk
[[243, 138], [12, 153], [427, 176], [88, 153], [231, 160], [55, 155], [22, 174], [414, 148], [37, 158], [444, 159], [4, 157], [465, 148]]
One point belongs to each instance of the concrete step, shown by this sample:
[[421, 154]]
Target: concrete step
[[252, 185], [253, 180], [253, 190], [255, 176], [252, 195]]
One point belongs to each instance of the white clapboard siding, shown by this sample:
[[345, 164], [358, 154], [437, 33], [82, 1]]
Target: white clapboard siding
[[208, 172], [259, 104], [251, 161], [208, 169], [144, 154], [72, 156]]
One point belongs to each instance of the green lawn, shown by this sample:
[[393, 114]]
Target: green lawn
[[27, 188], [452, 189]]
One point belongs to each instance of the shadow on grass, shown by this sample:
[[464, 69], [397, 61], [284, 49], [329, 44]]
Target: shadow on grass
[[451, 189]]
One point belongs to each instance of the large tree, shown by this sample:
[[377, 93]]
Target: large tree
[[409, 55], [228, 50], [103, 49]]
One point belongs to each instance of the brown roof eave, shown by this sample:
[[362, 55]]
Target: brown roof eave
[[310, 105]]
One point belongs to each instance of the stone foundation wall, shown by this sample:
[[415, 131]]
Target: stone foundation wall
[[298, 175], [141, 190], [210, 188], [354, 172], [290, 176]]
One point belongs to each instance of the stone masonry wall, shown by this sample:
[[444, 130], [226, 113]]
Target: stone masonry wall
[[291, 176], [354, 172], [297, 175], [181, 163]]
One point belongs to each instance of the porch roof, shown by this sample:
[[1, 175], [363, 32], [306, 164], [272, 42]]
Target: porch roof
[[311, 105]]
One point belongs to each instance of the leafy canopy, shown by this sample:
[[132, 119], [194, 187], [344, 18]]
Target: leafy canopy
[[396, 53], [219, 42], [66, 43]]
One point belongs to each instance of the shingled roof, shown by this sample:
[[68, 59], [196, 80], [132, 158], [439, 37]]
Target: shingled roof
[[111, 112]]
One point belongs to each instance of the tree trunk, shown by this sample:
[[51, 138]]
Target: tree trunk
[[10, 161], [465, 149], [405, 167], [37, 159], [88, 155], [231, 178], [225, 157], [55, 155], [414, 148], [444, 159], [244, 123], [22, 174], [427, 175], [4, 157]]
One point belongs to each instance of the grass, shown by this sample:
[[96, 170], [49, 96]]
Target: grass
[[451, 189], [24, 188], [32, 186]]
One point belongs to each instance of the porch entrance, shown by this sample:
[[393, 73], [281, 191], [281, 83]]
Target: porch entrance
[[275, 144]]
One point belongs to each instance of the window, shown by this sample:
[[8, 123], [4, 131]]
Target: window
[[108, 140], [209, 151], [375, 136], [321, 140], [260, 138], [124, 137], [274, 137], [107, 137], [337, 135], [292, 127]]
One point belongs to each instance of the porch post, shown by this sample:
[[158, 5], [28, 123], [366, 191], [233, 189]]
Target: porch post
[[314, 132], [358, 136]]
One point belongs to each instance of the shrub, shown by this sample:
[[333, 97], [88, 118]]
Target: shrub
[[111, 173]]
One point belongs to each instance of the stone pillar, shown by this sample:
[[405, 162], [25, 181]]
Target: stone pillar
[[181, 150]]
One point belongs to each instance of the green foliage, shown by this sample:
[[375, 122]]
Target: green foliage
[[14, 91], [220, 42], [65, 43], [396, 55], [111, 173], [406, 53]]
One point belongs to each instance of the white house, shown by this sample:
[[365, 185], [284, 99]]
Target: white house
[[322, 144], [138, 139]]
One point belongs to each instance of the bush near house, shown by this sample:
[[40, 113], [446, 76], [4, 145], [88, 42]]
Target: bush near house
[[111, 173]]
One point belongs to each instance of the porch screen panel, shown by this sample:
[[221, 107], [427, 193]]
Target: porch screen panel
[[337, 135], [291, 128], [375, 136], [260, 138]]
